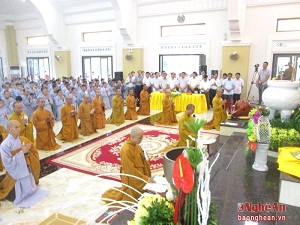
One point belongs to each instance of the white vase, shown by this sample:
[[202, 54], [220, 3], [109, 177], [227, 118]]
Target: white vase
[[261, 156], [281, 95]]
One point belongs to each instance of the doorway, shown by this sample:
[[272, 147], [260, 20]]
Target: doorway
[[97, 67], [280, 65]]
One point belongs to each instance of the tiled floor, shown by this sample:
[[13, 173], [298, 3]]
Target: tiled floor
[[78, 195]]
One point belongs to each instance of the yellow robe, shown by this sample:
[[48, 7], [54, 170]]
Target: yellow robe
[[32, 160], [168, 114], [117, 116], [86, 119], [184, 131], [99, 114], [3, 135], [26, 131], [145, 104], [69, 130], [45, 137], [131, 113], [134, 163], [219, 114]]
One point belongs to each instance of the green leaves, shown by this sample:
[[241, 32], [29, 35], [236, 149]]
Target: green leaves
[[195, 125], [159, 213], [194, 156]]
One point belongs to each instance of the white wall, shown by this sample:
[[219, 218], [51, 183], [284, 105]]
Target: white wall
[[74, 43], [149, 29], [3, 53], [260, 30]]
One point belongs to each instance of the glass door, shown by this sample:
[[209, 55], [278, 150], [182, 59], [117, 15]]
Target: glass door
[[181, 63], [97, 67], [286, 66], [38, 68]]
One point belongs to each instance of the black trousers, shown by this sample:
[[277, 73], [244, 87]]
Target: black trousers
[[138, 89], [212, 94]]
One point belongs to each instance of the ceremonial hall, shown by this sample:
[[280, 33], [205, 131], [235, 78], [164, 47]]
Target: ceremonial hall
[[82, 79]]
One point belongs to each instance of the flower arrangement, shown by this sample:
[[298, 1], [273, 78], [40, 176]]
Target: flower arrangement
[[252, 130], [175, 94], [154, 210]]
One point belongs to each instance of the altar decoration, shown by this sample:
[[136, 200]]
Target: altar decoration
[[191, 175], [259, 135]]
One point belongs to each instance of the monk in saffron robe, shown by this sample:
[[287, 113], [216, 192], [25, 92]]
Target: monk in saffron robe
[[86, 117], [144, 102], [23, 119], [168, 114], [185, 131], [44, 122], [3, 135], [219, 112], [131, 113], [99, 113], [117, 116], [133, 162], [22, 164], [69, 130]]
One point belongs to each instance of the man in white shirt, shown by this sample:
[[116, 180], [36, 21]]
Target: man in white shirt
[[204, 88], [183, 82], [194, 83], [215, 83], [238, 85], [164, 82], [147, 80], [261, 82], [156, 82], [228, 87], [173, 82]]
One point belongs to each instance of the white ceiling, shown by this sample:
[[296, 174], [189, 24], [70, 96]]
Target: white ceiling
[[20, 10]]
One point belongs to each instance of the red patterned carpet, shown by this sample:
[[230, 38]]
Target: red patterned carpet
[[103, 155]]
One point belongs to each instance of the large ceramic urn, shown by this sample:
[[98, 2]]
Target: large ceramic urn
[[281, 95]]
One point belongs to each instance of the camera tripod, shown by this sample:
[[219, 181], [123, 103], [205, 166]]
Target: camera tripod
[[252, 82]]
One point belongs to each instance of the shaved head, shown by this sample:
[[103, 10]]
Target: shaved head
[[12, 123], [190, 107], [136, 132]]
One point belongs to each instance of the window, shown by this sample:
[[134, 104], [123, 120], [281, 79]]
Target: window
[[38, 68], [97, 36], [181, 63], [183, 30], [42, 40], [97, 67], [288, 24], [280, 65], [1, 68]]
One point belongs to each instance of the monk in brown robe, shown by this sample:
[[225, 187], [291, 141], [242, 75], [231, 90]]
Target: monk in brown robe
[[99, 113], [144, 102], [69, 117], [44, 122], [32, 159], [133, 162], [219, 112], [185, 131], [23, 119], [168, 114], [131, 113], [86, 114], [117, 116]]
